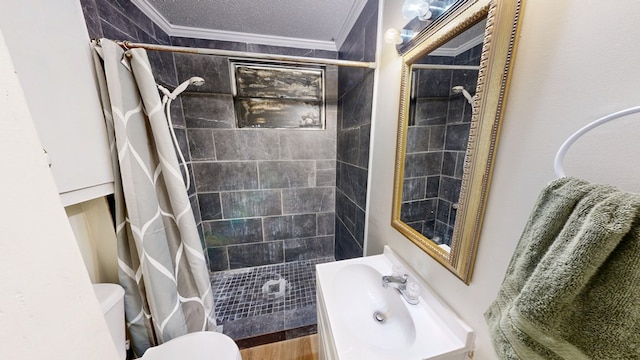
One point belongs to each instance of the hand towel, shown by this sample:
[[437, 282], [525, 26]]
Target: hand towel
[[572, 288]]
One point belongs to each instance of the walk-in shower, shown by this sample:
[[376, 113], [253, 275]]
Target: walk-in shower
[[268, 203], [254, 304]]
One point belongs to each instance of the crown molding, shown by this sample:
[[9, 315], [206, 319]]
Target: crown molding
[[460, 49], [154, 15], [199, 33], [209, 34], [352, 17]]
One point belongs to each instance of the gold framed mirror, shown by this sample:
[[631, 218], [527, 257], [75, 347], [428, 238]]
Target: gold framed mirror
[[454, 89]]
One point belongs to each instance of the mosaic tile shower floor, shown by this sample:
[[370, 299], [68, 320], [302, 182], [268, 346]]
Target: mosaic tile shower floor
[[267, 299]]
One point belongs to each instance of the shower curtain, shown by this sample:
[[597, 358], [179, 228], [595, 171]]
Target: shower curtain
[[160, 258]]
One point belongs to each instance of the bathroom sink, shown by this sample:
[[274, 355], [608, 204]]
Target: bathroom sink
[[358, 318], [387, 322]]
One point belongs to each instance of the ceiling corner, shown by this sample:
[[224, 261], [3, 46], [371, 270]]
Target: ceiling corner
[[154, 15], [354, 13], [210, 34]]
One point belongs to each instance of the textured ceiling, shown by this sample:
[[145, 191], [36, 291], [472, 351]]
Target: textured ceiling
[[298, 19]]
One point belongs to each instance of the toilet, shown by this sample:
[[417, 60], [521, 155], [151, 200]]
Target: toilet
[[202, 345]]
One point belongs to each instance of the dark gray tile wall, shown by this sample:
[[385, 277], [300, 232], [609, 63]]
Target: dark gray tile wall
[[436, 145], [267, 196], [234, 168], [354, 127]]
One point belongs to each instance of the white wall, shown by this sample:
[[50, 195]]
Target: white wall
[[49, 46], [47, 307], [576, 61]]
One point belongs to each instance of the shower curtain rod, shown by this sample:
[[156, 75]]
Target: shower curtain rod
[[444, 67], [243, 54]]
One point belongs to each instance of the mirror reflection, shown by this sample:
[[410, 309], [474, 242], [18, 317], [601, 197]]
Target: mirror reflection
[[443, 86], [421, 15], [453, 91]]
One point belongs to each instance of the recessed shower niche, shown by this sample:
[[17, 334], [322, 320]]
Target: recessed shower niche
[[278, 96]]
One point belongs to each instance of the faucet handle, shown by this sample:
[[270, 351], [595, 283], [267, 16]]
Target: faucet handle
[[397, 270], [394, 279], [413, 291]]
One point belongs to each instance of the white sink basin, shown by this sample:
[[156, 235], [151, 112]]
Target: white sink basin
[[387, 322], [360, 319]]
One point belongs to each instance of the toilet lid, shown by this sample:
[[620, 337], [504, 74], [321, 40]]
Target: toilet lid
[[204, 345]]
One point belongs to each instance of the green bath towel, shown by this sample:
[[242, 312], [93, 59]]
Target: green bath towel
[[572, 288]]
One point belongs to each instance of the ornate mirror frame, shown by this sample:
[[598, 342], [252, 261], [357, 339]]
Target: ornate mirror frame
[[498, 50]]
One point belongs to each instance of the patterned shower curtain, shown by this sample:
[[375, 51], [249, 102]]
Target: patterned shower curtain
[[160, 258]]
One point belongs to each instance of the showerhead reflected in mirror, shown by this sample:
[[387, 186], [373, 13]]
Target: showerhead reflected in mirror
[[440, 109], [459, 89], [454, 86]]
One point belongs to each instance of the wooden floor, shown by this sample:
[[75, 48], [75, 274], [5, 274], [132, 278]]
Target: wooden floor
[[303, 348]]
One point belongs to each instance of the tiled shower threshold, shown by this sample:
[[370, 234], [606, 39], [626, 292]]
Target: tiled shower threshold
[[268, 303]]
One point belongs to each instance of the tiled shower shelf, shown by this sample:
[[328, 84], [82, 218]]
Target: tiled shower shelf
[[266, 300]]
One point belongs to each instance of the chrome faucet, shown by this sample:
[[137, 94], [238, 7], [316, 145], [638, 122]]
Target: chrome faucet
[[400, 284], [390, 279]]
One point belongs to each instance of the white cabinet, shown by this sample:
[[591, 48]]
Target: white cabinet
[[49, 47], [326, 347], [359, 318]]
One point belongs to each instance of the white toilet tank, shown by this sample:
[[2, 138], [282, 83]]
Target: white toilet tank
[[111, 298]]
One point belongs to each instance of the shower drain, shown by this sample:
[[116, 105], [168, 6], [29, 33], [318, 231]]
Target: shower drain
[[275, 288], [379, 317]]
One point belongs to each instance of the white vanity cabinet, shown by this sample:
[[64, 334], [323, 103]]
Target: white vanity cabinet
[[49, 47], [359, 318], [326, 346]]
